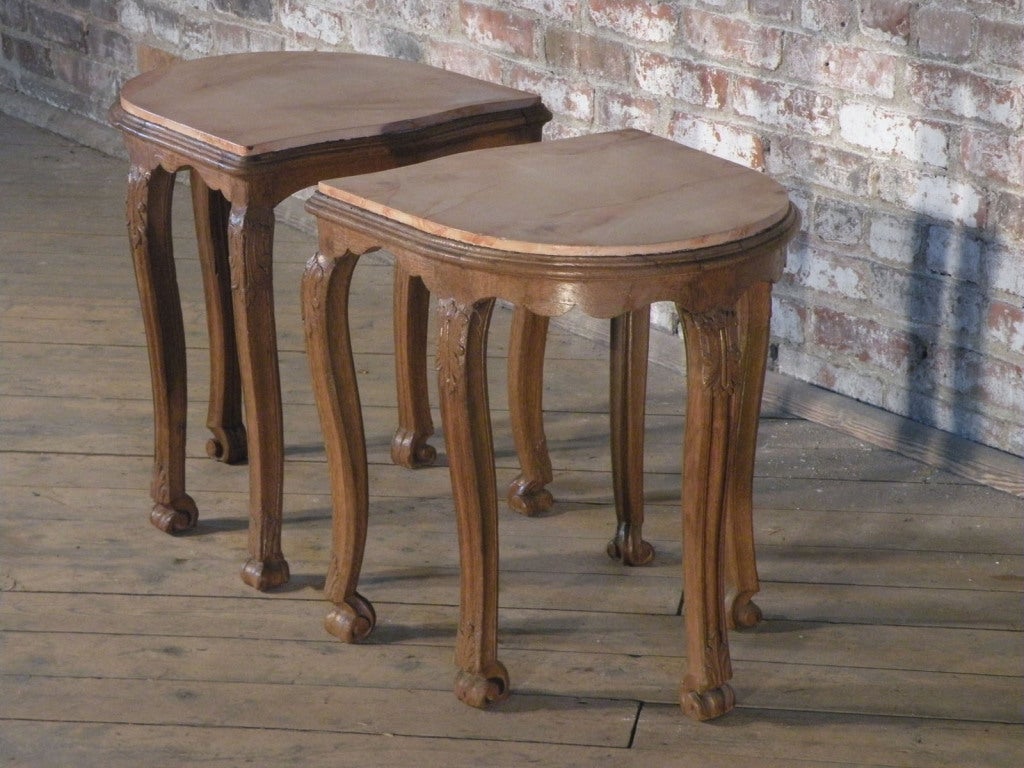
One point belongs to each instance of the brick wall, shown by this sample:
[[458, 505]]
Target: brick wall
[[896, 125]]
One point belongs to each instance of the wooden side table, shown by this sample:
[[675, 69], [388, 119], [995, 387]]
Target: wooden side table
[[607, 223], [253, 129]]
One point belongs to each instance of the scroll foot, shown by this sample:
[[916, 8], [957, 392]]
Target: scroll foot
[[265, 574], [478, 689], [528, 497], [631, 550], [707, 705], [744, 613], [352, 620], [228, 445], [411, 450], [180, 515]]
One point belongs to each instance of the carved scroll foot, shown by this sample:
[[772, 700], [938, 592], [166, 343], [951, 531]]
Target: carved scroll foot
[[411, 449], [707, 705], [478, 689], [175, 517], [265, 574], [228, 444], [742, 612], [528, 497], [351, 620], [629, 547]]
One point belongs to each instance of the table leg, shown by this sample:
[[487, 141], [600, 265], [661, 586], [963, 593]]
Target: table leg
[[325, 290], [409, 448], [462, 377], [250, 248], [526, 493], [148, 208], [630, 335], [740, 557], [224, 416], [709, 455]]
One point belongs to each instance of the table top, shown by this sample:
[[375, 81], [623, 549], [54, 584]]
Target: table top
[[253, 103], [613, 194]]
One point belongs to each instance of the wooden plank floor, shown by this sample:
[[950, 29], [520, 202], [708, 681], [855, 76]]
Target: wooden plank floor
[[892, 591]]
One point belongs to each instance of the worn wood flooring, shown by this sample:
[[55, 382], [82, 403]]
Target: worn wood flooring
[[891, 590]]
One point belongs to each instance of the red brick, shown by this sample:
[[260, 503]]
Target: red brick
[[965, 94], [994, 155], [687, 81], [947, 33], [811, 60], [1008, 220], [810, 163], [557, 10], [867, 341], [776, 10], [888, 19], [497, 29], [28, 55], [638, 19], [259, 10], [733, 39]]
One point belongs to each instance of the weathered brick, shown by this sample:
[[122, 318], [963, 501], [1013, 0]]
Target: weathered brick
[[557, 10], [789, 320], [888, 20], [497, 29], [811, 60], [834, 18], [1005, 325], [896, 239], [1003, 270], [637, 19], [953, 252], [993, 155], [869, 342], [61, 28], [947, 33], [622, 109], [719, 138], [314, 23], [28, 55], [837, 221], [776, 10], [466, 60], [783, 105], [1003, 42], [560, 94], [965, 94], [603, 59], [887, 132], [1007, 219], [257, 10], [85, 75], [829, 272], [148, 57], [811, 163], [733, 39], [931, 194], [12, 16], [687, 81], [112, 45], [368, 36]]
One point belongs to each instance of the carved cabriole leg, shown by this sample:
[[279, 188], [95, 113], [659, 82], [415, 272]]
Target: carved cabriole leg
[[409, 447], [740, 557], [527, 494], [462, 377], [713, 372], [325, 290], [250, 245], [148, 208], [628, 392], [224, 416]]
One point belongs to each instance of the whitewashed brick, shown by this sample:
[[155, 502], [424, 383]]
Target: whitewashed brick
[[881, 130], [720, 139], [313, 22]]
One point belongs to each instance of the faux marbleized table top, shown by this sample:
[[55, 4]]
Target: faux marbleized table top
[[647, 196], [304, 98]]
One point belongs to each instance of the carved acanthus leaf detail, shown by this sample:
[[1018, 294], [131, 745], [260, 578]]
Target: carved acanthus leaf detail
[[719, 348]]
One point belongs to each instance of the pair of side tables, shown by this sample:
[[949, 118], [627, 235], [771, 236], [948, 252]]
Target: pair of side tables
[[446, 173]]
